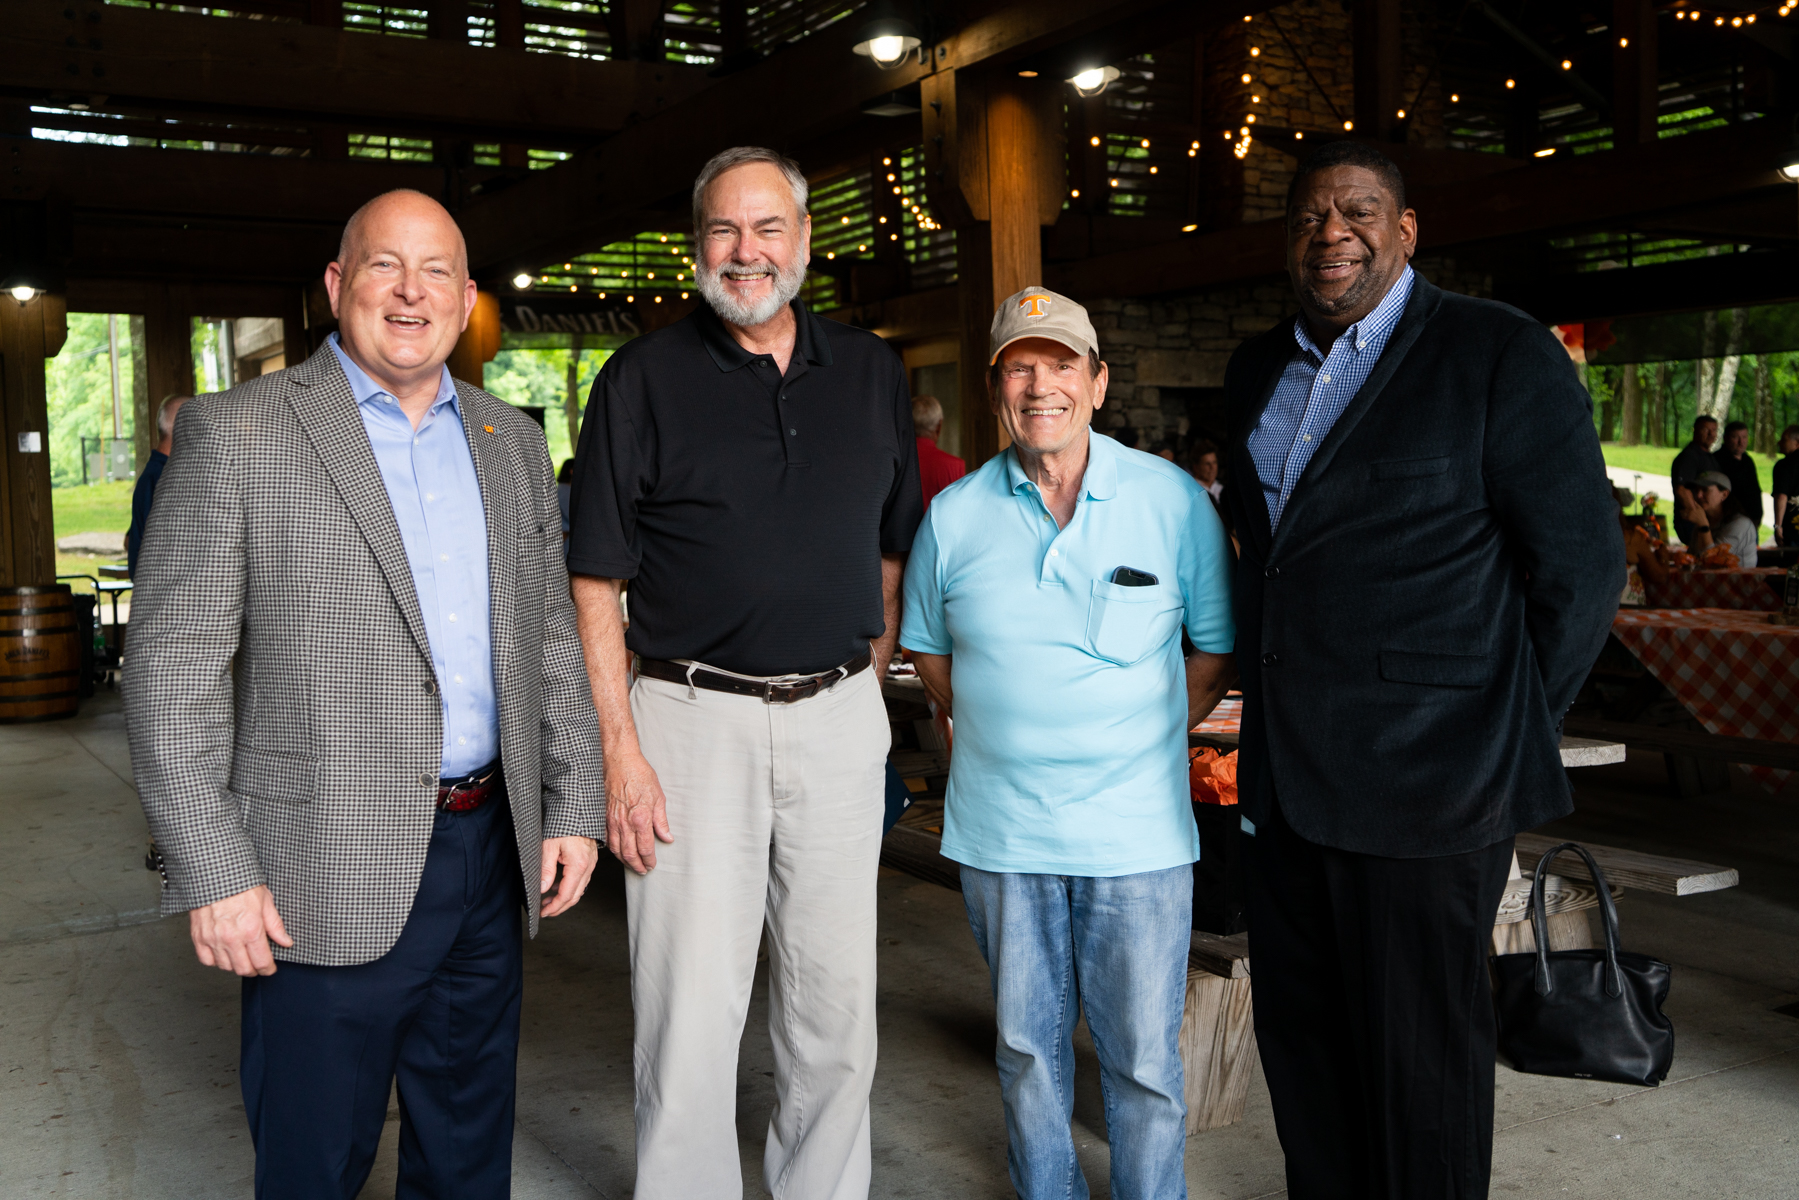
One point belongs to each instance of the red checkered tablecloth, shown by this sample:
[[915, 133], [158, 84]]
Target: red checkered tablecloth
[[1717, 589], [1732, 670]]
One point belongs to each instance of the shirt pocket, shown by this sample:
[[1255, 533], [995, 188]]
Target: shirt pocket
[[1126, 623]]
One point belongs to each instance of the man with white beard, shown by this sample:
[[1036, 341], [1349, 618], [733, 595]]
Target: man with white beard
[[751, 472]]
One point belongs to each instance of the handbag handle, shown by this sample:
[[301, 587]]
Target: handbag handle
[[1539, 919]]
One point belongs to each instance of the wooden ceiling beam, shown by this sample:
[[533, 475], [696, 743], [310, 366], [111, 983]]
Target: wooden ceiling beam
[[1538, 197], [795, 97], [60, 50], [203, 184]]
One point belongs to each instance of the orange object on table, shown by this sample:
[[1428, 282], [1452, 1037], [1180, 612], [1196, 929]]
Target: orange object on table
[[1212, 777]]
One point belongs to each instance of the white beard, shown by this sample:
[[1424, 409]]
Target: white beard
[[730, 308]]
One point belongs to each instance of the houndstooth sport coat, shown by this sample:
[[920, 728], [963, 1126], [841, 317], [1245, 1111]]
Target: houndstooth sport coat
[[283, 712]]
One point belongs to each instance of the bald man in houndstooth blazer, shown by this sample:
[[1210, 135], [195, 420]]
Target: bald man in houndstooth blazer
[[361, 726]]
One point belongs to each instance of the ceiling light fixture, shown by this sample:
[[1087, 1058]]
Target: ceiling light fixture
[[886, 38], [1545, 152], [1093, 80], [521, 281]]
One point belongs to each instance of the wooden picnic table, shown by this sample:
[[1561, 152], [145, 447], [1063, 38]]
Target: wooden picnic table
[[1734, 671]]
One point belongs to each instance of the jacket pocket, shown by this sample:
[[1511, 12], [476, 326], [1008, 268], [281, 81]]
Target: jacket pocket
[[1126, 623], [1436, 670], [1410, 468], [268, 775]]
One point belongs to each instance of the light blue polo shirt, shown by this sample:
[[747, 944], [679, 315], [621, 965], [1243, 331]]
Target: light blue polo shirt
[[1070, 693]]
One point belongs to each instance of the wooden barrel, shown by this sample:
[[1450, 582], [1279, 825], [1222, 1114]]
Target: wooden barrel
[[40, 654]]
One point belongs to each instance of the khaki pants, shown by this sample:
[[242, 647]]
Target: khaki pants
[[776, 813]]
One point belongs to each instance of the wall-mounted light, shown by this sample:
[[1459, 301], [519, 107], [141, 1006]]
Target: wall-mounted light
[[522, 281], [1790, 173], [24, 293], [1545, 152], [887, 39], [1093, 80]]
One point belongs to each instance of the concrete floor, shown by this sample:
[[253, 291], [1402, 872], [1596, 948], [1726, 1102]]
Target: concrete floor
[[118, 1052]]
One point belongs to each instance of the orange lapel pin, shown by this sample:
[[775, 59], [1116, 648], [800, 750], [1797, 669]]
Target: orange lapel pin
[[489, 428]]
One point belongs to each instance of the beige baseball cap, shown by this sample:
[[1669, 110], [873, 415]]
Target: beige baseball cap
[[1039, 312]]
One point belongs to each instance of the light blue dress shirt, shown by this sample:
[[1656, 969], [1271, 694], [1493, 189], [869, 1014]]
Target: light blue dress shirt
[[436, 495], [1070, 690], [1312, 393]]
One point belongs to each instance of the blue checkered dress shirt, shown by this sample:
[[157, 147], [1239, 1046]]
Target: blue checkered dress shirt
[[1313, 392]]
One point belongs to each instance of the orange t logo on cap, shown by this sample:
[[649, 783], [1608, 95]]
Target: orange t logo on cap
[[1034, 306]]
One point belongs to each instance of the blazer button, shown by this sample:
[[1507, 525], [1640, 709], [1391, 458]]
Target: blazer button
[[430, 687], [1271, 659], [1272, 573], [427, 779]]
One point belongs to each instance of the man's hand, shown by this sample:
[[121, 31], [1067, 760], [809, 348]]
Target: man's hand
[[636, 812], [233, 934], [577, 856]]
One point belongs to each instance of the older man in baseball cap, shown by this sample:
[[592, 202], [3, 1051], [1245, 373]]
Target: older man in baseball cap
[[1045, 599]]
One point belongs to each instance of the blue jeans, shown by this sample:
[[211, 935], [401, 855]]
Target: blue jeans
[[1117, 946]]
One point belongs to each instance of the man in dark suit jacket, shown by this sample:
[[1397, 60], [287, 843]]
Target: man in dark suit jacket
[[1431, 560]]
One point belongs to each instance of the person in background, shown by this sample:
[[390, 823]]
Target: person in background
[[564, 480], [144, 494], [1204, 457], [1786, 489], [937, 469], [1734, 460], [1715, 518], [1400, 716], [1694, 458], [1652, 521], [1642, 556], [1068, 806]]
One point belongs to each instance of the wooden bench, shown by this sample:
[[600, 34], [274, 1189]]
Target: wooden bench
[[1218, 1031]]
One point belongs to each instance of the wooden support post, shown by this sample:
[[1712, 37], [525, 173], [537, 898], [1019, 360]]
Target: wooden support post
[[1636, 99], [1218, 1049], [448, 20], [995, 166], [143, 410], [168, 349], [509, 34], [1377, 70], [479, 342], [636, 29], [30, 333]]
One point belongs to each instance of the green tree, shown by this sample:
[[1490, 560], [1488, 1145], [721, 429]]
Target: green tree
[[79, 384], [540, 377]]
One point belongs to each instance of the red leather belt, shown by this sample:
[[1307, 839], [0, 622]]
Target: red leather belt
[[471, 791], [769, 691]]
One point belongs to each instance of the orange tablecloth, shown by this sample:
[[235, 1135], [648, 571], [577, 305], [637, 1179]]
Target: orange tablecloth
[[1224, 719], [1717, 589], [1737, 674]]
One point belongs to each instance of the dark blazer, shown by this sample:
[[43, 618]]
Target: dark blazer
[[1444, 574]]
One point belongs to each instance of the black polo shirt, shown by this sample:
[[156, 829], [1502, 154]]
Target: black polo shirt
[[750, 510]]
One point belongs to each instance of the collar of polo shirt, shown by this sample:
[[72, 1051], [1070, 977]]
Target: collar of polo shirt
[[1098, 482]]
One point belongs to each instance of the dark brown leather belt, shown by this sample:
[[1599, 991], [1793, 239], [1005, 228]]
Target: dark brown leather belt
[[470, 791], [769, 691]]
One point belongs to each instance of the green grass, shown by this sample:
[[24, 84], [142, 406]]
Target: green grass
[[93, 508], [1658, 460], [90, 508]]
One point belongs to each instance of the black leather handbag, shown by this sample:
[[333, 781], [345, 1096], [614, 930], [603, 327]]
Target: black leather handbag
[[1583, 1014]]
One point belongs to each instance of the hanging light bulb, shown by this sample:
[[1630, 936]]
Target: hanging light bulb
[[1093, 80]]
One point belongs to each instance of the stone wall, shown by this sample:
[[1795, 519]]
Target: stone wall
[[1291, 69]]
